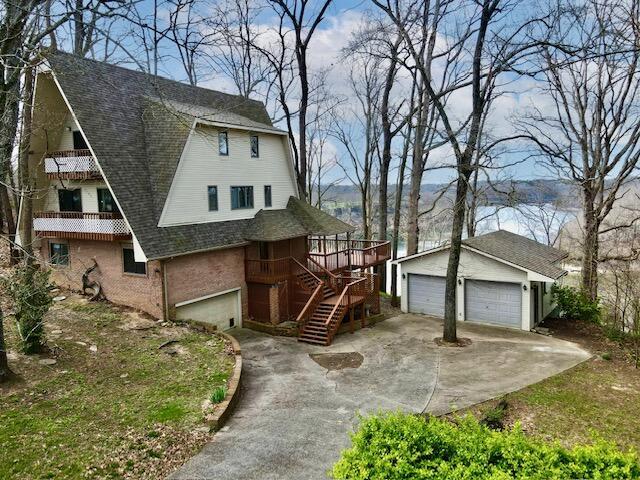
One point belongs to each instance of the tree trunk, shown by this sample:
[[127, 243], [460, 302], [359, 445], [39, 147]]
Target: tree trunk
[[590, 248], [4, 362], [451, 283], [26, 184], [396, 225]]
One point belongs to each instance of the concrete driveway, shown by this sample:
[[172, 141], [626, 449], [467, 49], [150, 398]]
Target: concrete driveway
[[294, 415]]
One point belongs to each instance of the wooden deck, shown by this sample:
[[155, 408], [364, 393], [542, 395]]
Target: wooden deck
[[353, 300]]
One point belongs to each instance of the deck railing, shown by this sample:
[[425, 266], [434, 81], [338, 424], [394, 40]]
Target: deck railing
[[81, 225], [71, 164], [268, 271], [339, 254], [352, 290]]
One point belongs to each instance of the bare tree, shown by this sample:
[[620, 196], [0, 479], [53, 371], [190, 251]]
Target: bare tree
[[497, 41], [297, 18], [591, 136], [234, 54], [357, 128]]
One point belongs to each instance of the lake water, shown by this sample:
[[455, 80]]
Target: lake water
[[524, 220]]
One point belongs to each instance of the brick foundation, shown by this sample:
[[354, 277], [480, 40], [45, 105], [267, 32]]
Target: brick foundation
[[200, 274], [143, 292]]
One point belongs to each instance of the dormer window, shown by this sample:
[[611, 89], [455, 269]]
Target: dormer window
[[255, 146], [223, 143]]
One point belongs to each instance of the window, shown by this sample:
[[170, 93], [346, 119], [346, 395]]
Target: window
[[78, 141], [212, 191], [223, 143], [241, 197], [255, 146], [70, 200], [267, 195], [106, 202], [130, 264], [59, 253]]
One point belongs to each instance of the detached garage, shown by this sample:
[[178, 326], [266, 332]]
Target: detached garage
[[504, 279]]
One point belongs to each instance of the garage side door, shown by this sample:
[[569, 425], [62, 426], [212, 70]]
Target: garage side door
[[426, 295], [497, 303], [221, 311]]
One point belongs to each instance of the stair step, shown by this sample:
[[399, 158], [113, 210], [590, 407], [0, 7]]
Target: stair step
[[312, 336], [312, 341]]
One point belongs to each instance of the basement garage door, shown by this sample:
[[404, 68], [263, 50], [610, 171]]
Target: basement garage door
[[426, 294], [497, 303], [223, 311]]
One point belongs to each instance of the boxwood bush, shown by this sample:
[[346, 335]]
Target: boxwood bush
[[574, 304], [400, 446]]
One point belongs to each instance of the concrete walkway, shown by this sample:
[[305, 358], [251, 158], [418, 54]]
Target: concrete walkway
[[294, 415]]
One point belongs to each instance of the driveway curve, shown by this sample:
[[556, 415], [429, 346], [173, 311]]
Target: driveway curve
[[295, 415]]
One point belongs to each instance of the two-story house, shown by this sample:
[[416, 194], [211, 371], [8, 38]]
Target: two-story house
[[185, 199]]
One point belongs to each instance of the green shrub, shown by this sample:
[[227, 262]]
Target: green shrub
[[574, 304], [494, 417], [219, 394], [394, 446], [28, 286]]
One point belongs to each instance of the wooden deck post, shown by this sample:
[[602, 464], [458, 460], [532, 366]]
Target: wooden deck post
[[351, 320], [349, 250]]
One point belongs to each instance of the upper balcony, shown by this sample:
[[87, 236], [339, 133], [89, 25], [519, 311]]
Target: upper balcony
[[81, 225], [71, 165]]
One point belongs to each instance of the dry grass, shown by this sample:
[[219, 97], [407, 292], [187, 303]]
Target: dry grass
[[114, 404]]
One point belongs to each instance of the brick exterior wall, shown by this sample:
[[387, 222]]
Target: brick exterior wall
[[143, 292], [200, 274]]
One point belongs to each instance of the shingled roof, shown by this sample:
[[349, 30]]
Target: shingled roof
[[521, 251], [514, 249], [137, 125]]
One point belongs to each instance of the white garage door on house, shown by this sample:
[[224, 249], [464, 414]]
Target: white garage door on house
[[497, 303], [426, 294], [223, 310]]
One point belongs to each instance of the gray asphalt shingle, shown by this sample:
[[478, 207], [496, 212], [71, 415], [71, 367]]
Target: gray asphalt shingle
[[137, 124], [521, 251]]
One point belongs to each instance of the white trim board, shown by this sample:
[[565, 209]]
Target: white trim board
[[207, 297]]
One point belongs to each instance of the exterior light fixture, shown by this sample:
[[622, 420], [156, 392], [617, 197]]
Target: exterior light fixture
[[524, 287], [459, 281], [404, 276]]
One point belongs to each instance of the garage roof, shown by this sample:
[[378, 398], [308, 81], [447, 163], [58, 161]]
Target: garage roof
[[513, 249]]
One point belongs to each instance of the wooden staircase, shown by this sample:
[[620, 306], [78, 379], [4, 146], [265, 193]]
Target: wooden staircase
[[316, 331]]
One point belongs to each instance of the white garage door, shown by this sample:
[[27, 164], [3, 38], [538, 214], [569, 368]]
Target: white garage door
[[497, 303], [223, 311], [426, 294]]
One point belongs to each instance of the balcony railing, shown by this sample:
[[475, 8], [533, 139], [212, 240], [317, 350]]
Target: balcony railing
[[81, 225], [71, 164], [339, 254]]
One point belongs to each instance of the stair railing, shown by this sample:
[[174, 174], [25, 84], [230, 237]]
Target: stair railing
[[332, 323], [314, 299], [334, 281]]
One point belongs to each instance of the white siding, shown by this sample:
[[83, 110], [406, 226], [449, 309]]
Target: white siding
[[89, 194], [66, 139], [201, 165], [472, 266]]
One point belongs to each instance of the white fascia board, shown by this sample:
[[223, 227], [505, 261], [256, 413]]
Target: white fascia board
[[138, 253], [207, 297], [93, 153], [234, 126], [419, 254]]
